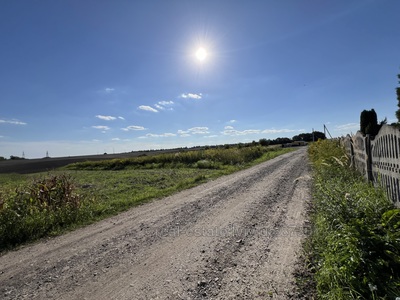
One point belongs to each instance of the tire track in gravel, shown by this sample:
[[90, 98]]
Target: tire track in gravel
[[217, 240]]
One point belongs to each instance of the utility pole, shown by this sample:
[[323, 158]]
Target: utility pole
[[326, 130]]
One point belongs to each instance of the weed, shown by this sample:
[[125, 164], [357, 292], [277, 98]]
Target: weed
[[32, 211]]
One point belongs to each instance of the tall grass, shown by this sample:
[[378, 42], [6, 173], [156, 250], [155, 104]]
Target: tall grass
[[35, 210], [356, 236], [209, 159]]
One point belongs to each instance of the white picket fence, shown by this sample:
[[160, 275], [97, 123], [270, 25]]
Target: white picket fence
[[377, 158]]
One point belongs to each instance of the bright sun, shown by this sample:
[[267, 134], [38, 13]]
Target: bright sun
[[201, 54]]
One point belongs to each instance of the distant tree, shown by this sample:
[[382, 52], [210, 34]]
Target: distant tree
[[369, 122], [280, 140], [2, 158], [308, 137], [318, 135], [16, 157], [398, 101], [264, 142]]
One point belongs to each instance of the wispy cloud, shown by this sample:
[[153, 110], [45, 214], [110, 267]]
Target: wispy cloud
[[13, 122], [101, 127], [147, 108], [116, 139], [192, 96], [232, 121], [199, 130], [133, 128], [163, 105], [270, 131], [106, 118], [231, 131], [347, 128], [152, 135], [109, 90], [166, 103], [193, 130], [121, 118]]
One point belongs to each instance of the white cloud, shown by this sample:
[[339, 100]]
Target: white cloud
[[233, 132], [163, 105], [116, 139], [166, 103], [106, 118], [269, 131], [192, 96], [133, 127], [121, 118], [101, 127], [194, 130], [13, 122], [147, 108], [347, 128], [109, 90], [160, 135], [232, 121], [198, 130]]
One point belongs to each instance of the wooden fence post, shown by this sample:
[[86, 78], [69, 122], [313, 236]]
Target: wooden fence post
[[368, 157]]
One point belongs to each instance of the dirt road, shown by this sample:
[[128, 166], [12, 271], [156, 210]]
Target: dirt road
[[236, 237]]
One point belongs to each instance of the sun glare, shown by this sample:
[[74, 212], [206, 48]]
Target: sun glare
[[201, 54]]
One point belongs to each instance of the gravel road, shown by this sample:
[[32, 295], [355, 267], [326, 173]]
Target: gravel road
[[237, 237]]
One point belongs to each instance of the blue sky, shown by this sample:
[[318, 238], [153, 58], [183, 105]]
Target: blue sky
[[94, 76]]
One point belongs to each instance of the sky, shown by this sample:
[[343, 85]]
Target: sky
[[94, 76]]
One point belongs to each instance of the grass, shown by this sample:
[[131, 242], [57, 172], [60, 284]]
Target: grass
[[47, 204], [354, 248]]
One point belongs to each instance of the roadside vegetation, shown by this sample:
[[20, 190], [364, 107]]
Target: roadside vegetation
[[354, 248], [45, 204]]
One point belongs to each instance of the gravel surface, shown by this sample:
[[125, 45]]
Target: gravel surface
[[237, 237]]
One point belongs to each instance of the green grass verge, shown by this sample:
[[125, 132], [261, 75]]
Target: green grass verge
[[39, 205], [355, 242]]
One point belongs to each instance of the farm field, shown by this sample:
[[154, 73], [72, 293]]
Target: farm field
[[31, 205]]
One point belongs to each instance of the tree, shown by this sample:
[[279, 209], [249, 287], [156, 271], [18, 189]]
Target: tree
[[398, 99], [369, 122], [264, 142], [308, 137]]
